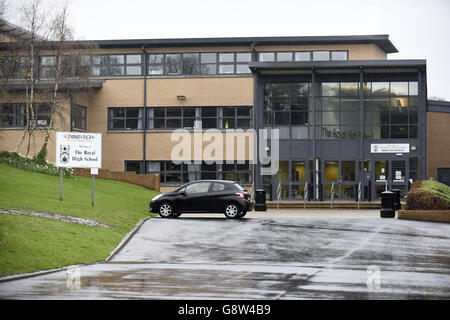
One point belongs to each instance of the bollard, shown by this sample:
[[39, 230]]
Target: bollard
[[397, 204], [260, 200], [387, 205]]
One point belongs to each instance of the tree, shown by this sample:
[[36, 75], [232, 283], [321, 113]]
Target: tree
[[40, 61]]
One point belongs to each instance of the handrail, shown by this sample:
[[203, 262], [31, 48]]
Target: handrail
[[359, 194], [305, 195], [332, 194], [278, 194]]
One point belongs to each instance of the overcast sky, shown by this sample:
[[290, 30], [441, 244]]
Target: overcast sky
[[418, 28]]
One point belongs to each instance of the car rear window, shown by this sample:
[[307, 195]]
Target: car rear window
[[239, 187]]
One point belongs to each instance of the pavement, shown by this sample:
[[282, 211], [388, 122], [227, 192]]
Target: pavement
[[316, 254]]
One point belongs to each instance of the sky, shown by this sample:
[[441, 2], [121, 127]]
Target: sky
[[418, 28]]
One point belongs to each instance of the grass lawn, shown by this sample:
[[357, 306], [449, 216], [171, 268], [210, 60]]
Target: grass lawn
[[31, 244]]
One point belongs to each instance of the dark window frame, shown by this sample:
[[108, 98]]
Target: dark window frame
[[124, 118]]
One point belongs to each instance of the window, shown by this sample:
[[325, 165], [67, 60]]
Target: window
[[267, 56], [173, 64], [133, 65], [9, 66], [208, 63], [321, 55], [155, 64], [43, 114], [100, 65], [12, 115], [209, 117], [284, 56], [133, 166], [302, 56], [78, 116], [235, 117], [83, 65], [200, 187], [339, 55], [172, 173], [218, 187], [286, 106], [125, 118], [191, 63], [339, 117], [391, 110], [116, 67], [48, 67]]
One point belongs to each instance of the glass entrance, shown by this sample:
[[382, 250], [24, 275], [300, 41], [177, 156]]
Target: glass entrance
[[340, 179]]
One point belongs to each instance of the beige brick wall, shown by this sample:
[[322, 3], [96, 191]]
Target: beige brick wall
[[9, 138], [438, 142]]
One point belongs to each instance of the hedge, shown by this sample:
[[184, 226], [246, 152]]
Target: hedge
[[428, 195]]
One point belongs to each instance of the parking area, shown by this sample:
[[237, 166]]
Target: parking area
[[268, 255]]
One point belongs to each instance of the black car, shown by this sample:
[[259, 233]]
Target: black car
[[204, 196]]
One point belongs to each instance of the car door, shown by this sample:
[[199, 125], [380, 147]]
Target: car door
[[218, 196], [195, 198]]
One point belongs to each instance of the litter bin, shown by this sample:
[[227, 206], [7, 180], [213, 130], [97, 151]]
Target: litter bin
[[387, 205], [260, 200], [397, 204]]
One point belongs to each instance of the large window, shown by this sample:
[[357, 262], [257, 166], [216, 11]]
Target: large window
[[206, 63], [12, 115], [116, 65], [188, 172], [391, 110], [168, 118], [78, 115], [125, 118], [338, 111], [324, 55], [287, 107]]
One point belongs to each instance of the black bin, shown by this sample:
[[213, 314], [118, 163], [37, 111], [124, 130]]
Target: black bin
[[260, 200], [387, 205], [397, 204]]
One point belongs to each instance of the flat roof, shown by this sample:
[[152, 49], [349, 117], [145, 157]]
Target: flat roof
[[382, 41], [438, 106], [303, 67]]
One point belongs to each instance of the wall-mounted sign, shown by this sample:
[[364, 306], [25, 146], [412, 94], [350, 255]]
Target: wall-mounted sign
[[389, 148], [78, 150]]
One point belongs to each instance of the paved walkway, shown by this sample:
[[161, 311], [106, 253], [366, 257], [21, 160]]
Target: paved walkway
[[254, 258]]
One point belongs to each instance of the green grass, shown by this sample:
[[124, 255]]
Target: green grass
[[31, 244]]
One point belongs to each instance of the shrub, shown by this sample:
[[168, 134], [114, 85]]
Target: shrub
[[36, 165], [423, 200], [428, 195]]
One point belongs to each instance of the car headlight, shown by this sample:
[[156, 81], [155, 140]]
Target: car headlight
[[156, 197]]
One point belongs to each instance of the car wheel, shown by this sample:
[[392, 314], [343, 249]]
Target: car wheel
[[232, 211], [242, 214], [165, 210]]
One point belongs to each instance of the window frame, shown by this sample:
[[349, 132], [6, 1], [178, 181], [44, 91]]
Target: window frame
[[125, 118]]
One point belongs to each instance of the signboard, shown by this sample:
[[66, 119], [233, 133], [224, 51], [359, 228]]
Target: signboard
[[389, 148], [78, 150]]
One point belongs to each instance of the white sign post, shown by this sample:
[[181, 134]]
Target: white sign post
[[78, 150]]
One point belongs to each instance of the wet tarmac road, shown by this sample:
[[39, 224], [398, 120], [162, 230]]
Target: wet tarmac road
[[215, 258]]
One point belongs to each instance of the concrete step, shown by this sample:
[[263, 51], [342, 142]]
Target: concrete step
[[376, 205]]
